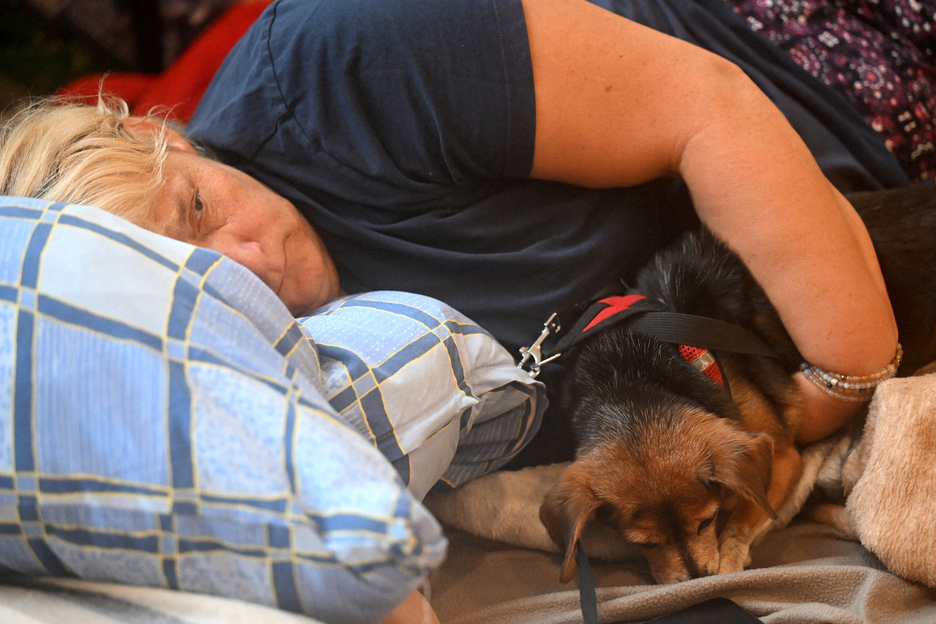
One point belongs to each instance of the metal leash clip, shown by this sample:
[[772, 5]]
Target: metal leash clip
[[535, 351]]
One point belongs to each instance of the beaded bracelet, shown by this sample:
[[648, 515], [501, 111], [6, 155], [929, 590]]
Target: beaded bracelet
[[851, 387]]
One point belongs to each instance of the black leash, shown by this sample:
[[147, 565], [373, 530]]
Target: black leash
[[587, 595], [642, 316], [712, 611]]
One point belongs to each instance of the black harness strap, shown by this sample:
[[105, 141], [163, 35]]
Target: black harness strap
[[703, 332], [643, 316]]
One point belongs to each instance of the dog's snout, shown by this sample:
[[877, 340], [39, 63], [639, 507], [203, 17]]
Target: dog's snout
[[697, 567], [705, 569], [682, 561]]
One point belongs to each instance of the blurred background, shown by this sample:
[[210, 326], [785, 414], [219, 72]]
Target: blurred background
[[44, 44]]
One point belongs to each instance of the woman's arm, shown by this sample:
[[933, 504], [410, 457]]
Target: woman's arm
[[619, 104]]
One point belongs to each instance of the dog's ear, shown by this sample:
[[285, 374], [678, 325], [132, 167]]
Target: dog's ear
[[743, 464], [565, 511]]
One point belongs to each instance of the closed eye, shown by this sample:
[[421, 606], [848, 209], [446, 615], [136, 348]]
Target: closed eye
[[705, 523]]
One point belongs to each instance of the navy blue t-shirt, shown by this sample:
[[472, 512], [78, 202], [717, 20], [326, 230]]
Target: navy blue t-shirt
[[403, 130]]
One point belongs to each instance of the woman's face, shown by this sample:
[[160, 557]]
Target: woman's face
[[209, 204]]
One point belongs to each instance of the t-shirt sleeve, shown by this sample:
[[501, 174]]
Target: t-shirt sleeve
[[364, 99]]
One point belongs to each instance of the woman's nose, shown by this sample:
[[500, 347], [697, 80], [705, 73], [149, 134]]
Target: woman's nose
[[250, 255]]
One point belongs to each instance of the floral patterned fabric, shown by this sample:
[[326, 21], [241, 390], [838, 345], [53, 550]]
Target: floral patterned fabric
[[880, 54]]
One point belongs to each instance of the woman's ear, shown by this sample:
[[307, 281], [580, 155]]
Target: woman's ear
[[146, 127]]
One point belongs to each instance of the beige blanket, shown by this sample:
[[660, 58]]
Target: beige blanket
[[889, 478]]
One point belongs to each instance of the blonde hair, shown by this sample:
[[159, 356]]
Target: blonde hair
[[78, 153]]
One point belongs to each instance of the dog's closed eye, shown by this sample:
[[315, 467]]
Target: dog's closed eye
[[605, 513], [706, 523]]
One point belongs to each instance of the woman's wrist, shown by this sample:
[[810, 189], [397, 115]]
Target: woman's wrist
[[822, 414], [857, 388]]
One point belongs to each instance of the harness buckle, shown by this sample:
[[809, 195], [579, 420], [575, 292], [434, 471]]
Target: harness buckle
[[535, 351]]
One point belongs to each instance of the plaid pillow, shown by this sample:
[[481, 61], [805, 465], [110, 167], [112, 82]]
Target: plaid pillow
[[164, 421]]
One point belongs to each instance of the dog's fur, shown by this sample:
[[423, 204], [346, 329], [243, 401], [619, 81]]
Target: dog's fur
[[669, 459]]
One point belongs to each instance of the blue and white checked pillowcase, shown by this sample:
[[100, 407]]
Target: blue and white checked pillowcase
[[165, 422], [439, 396]]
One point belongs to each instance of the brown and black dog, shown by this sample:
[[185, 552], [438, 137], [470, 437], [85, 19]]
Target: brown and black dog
[[690, 469]]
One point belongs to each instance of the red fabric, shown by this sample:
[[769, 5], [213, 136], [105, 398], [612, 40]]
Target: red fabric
[[691, 354], [181, 86], [615, 305]]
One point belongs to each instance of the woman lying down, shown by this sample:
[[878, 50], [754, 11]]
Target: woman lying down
[[512, 158]]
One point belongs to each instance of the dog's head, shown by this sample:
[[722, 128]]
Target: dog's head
[[661, 487]]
